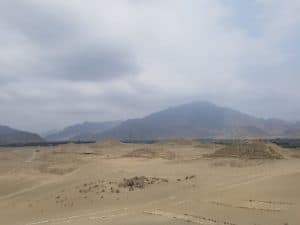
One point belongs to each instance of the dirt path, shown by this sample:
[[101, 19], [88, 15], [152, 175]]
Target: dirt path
[[32, 157]]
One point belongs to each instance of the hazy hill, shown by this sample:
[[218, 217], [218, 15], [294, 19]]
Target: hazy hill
[[12, 136], [83, 131], [196, 120], [292, 133], [193, 120]]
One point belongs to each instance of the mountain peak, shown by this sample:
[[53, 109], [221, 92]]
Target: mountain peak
[[198, 119]]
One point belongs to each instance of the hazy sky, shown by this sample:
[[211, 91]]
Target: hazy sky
[[70, 61]]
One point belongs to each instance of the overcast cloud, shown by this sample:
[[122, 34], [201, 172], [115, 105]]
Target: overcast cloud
[[63, 62]]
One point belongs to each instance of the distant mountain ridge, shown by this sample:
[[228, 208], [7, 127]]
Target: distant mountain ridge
[[197, 120], [83, 131], [192, 120], [13, 136]]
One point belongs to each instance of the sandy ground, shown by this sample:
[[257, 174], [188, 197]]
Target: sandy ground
[[80, 185]]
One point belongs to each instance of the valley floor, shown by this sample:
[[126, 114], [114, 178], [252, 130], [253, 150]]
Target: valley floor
[[84, 184]]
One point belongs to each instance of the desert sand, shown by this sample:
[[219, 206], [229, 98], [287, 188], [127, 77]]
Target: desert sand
[[170, 182]]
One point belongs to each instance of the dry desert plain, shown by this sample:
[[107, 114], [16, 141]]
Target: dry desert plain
[[169, 182]]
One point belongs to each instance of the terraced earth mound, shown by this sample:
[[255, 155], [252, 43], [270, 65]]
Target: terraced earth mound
[[151, 153], [176, 141], [248, 150]]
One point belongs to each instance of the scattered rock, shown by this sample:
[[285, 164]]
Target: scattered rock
[[140, 182], [190, 177]]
